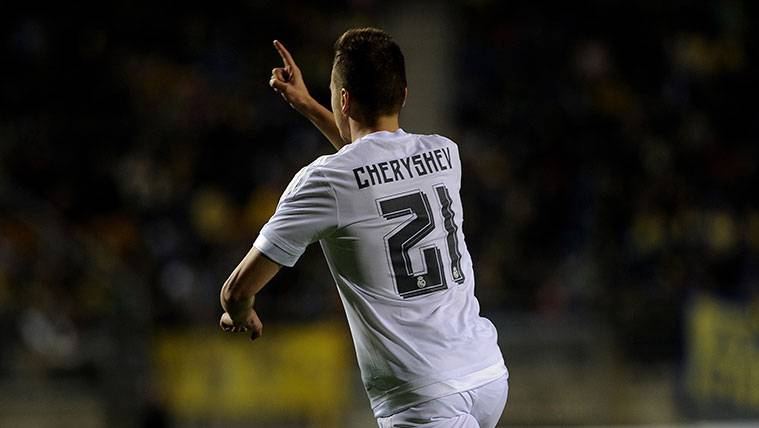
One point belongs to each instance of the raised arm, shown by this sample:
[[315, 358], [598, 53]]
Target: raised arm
[[239, 291], [288, 82]]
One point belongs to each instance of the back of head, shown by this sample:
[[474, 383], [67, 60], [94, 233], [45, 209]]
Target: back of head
[[371, 67]]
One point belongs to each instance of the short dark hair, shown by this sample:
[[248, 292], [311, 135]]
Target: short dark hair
[[370, 65]]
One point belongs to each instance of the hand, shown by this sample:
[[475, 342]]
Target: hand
[[252, 324], [288, 81]]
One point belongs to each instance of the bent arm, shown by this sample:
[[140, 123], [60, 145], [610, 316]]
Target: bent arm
[[288, 82], [248, 278]]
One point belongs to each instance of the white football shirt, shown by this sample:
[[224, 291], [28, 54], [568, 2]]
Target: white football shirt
[[387, 212]]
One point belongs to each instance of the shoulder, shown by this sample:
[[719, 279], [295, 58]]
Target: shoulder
[[441, 139], [311, 176], [321, 164], [434, 140], [437, 141], [328, 166], [325, 169]]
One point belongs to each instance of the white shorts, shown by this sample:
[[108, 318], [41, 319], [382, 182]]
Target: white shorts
[[478, 408]]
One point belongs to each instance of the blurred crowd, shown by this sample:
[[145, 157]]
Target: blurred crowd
[[610, 164], [613, 146]]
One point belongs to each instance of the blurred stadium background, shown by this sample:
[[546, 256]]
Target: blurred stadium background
[[610, 188]]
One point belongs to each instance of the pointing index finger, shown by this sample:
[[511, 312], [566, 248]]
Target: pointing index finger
[[286, 57]]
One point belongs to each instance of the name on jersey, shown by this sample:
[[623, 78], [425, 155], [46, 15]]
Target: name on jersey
[[404, 168]]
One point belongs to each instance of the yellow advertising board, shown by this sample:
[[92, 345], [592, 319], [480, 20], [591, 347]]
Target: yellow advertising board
[[722, 358], [299, 372]]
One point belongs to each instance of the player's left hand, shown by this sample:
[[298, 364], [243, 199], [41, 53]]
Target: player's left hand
[[252, 324]]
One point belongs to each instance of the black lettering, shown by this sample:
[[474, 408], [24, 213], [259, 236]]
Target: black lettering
[[429, 158], [407, 164], [373, 172], [361, 184], [438, 157], [447, 153], [417, 160], [396, 166], [383, 169]]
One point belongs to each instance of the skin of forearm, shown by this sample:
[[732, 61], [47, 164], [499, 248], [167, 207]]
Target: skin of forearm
[[236, 300], [323, 119], [249, 277]]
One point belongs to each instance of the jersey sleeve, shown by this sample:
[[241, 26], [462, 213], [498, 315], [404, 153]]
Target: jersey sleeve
[[307, 212]]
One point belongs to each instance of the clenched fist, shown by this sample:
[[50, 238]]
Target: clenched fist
[[252, 324]]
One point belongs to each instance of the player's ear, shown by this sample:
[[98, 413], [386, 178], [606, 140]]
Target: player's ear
[[405, 96], [345, 99]]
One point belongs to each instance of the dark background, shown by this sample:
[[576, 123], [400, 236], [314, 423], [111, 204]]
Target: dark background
[[610, 169]]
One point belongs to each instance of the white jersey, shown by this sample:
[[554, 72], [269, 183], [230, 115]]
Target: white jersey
[[387, 212]]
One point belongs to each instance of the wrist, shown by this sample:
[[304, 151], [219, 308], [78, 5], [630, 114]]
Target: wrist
[[238, 309], [240, 315]]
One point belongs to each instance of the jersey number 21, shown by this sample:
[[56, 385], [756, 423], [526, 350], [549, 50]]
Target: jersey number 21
[[429, 278]]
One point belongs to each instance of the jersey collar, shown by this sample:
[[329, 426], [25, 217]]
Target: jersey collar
[[382, 135]]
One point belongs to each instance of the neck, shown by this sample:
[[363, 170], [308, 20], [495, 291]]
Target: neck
[[383, 123]]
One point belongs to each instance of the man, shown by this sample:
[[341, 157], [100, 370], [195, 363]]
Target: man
[[387, 213]]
